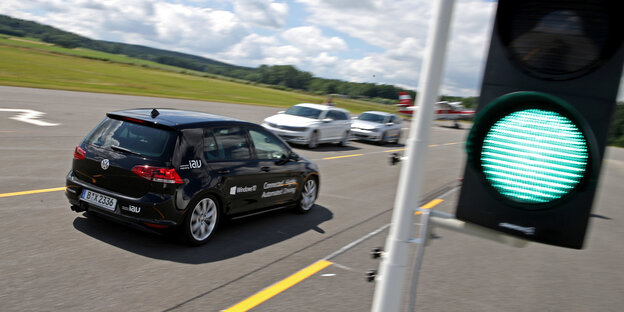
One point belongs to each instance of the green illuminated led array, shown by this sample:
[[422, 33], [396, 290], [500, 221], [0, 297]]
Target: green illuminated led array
[[534, 156]]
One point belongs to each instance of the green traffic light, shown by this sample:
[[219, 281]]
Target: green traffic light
[[534, 156]]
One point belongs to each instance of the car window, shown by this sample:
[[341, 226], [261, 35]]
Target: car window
[[233, 143], [211, 149], [336, 115], [267, 145], [303, 111], [135, 138], [395, 120]]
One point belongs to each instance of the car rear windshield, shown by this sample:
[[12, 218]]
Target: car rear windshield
[[133, 138], [303, 111]]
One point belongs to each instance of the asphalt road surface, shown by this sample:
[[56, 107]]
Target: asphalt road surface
[[52, 259]]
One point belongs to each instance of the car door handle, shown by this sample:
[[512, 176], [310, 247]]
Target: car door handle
[[223, 171], [265, 169]]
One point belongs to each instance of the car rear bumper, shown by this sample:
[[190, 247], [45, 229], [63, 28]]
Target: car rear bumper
[[152, 210]]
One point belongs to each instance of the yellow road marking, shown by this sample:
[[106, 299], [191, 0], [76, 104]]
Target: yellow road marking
[[395, 150], [345, 156], [429, 205], [452, 143], [33, 192], [279, 287]]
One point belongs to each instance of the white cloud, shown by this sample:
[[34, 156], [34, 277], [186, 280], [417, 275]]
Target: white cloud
[[311, 39], [381, 23], [304, 47], [249, 51], [197, 30], [262, 13], [400, 27], [282, 55]]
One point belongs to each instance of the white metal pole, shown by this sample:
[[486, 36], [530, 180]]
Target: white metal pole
[[394, 265], [420, 255]]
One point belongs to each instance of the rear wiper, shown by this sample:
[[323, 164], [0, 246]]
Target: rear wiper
[[123, 149]]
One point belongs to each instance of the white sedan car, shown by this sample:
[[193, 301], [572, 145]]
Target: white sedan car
[[377, 127], [311, 124]]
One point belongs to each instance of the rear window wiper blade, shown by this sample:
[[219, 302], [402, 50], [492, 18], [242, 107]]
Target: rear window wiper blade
[[123, 149]]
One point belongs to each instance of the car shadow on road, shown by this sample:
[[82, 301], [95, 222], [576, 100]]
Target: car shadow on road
[[234, 238], [458, 127]]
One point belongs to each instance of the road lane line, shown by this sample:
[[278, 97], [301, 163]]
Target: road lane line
[[429, 205], [56, 189], [279, 287], [344, 156], [395, 150]]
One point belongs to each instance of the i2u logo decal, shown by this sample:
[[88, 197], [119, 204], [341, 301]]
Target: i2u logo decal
[[192, 164]]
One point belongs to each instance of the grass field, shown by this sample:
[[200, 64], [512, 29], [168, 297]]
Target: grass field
[[28, 63]]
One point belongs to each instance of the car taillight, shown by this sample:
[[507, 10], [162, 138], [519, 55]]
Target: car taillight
[[79, 153], [157, 174]]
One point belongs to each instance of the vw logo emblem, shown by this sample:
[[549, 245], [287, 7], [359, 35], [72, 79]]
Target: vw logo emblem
[[104, 164]]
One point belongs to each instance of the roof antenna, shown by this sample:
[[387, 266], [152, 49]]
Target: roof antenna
[[155, 113]]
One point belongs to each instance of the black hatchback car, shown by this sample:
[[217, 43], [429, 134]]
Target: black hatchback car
[[165, 168]]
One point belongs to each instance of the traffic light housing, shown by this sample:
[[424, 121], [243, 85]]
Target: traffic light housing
[[535, 150]]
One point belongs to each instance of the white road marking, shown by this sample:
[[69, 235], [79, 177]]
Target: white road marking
[[29, 116]]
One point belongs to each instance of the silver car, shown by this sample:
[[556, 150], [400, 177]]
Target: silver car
[[376, 126]]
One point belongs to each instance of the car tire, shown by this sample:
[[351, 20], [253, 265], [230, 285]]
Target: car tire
[[382, 140], [313, 143], [201, 220], [398, 137], [345, 139], [308, 195]]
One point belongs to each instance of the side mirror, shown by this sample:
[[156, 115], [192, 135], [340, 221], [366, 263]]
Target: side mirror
[[286, 158], [389, 123], [294, 156], [282, 160], [281, 112], [326, 120]]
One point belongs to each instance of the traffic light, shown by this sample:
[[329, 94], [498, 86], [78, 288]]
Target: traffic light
[[535, 150]]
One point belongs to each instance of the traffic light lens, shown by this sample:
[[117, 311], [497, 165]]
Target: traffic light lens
[[560, 39], [534, 156]]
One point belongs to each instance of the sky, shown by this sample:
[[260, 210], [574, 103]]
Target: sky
[[374, 41]]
